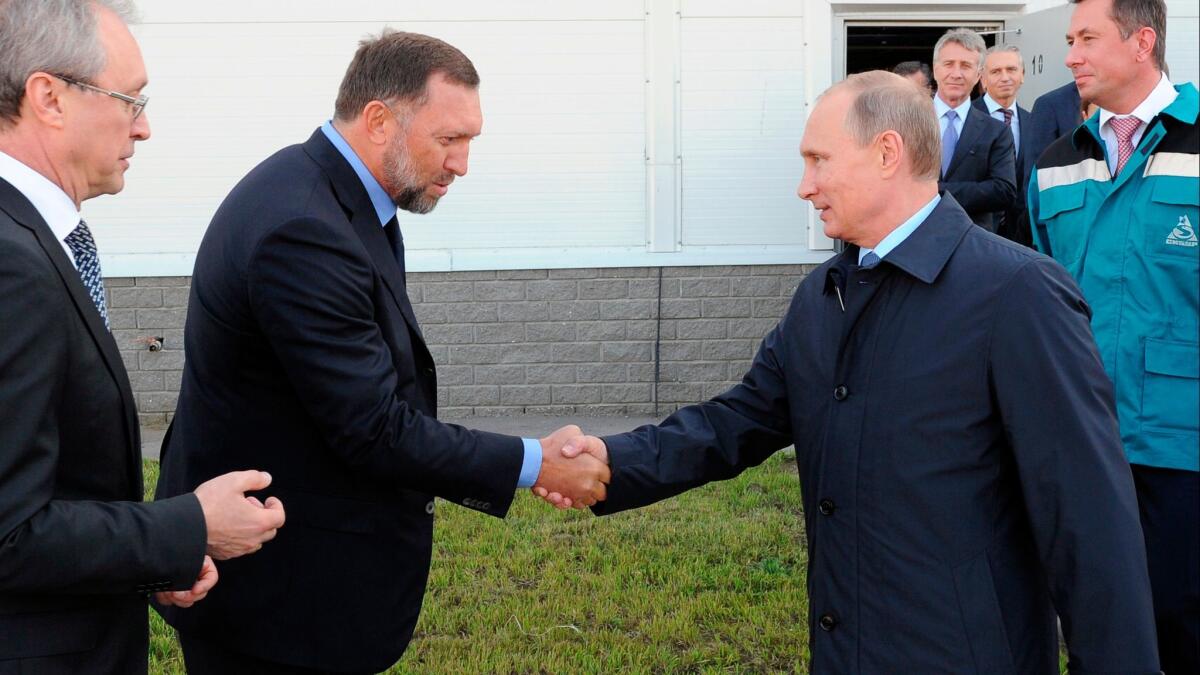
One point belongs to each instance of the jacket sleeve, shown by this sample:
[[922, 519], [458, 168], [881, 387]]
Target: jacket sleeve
[[997, 190], [1037, 227], [50, 545], [714, 440], [1058, 411], [310, 287]]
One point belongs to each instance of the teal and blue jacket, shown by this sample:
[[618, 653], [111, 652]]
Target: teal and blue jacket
[[1131, 244]]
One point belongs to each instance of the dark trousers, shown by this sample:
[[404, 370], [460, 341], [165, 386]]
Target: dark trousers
[[1169, 502], [205, 657]]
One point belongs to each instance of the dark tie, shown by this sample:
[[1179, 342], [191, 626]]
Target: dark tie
[[1007, 112], [869, 260], [392, 230], [949, 140], [83, 247]]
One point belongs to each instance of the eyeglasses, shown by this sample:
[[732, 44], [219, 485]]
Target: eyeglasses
[[138, 104]]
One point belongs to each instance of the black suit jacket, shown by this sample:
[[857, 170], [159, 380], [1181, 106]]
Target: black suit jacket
[[982, 171], [1013, 223], [78, 551], [1055, 114], [958, 486], [305, 360]]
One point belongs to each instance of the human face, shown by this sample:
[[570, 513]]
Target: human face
[[1003, 75], [956, 70], [432, 147], [1104, 65], [921, 81], [101, 129], [841, 178]]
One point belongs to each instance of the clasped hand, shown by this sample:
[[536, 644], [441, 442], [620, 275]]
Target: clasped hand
[[574, 469]]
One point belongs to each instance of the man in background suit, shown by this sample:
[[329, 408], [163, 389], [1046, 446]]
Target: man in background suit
[[978, 160], [1055, 114], [304, 354], [1003, 75], [954, 430], [79, 552]]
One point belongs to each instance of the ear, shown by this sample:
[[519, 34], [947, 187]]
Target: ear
[[891, 153], [375, 119], [1145, 38], [44, 99]]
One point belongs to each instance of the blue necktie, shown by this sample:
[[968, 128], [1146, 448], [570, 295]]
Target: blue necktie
[[949, 140], [869, 260], [83, 247]]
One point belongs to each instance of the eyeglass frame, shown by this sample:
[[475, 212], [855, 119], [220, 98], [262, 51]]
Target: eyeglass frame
[[139, 102]]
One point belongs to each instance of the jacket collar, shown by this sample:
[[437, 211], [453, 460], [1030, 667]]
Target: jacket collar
[[1185, 108], [925, 252], [353, 197]]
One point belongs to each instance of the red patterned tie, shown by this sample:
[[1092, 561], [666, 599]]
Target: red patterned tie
[[1125, 128]]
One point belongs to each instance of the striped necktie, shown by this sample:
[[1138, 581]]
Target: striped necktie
[[83, 247]]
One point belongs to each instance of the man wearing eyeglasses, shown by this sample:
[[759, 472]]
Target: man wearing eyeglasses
[[79, 552]]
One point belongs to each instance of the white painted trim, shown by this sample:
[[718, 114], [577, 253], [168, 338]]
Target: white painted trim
[[664, 181]]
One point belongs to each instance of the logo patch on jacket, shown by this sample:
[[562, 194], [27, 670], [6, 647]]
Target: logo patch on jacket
[[1183, 234]]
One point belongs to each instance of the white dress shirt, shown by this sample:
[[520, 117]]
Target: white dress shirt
[[51, 203], [1162, 96]]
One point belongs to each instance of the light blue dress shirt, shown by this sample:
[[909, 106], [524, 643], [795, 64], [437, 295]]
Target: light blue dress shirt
[[385, 208], [941, 108], [898, 235], [994, 110]]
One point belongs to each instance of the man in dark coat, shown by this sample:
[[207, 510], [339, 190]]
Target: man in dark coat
[[1003, 75], [977, 156], [79, 550], [958, 453], [304, 354]]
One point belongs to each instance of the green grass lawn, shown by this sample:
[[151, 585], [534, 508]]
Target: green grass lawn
[[709, 582]]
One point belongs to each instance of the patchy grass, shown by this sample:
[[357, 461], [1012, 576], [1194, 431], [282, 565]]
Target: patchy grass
[[709, 582]]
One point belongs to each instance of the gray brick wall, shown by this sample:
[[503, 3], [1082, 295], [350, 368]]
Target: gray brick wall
[[578, 341]]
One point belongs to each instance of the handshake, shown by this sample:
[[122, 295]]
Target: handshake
[[575, 470]]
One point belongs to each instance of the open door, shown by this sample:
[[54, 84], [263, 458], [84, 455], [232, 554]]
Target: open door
[[1041, 36]]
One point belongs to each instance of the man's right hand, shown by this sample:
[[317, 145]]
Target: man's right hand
[[238, 524]]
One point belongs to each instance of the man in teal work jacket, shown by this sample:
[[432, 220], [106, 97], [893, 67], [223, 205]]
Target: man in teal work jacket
[[1116, 203]]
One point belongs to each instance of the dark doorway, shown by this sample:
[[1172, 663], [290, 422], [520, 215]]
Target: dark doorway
[[881, 47]]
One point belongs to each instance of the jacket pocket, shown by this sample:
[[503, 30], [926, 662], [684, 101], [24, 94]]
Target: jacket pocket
[[1067, 221], [1171, 390], [24, 636], [982, 618], [1171, 220]]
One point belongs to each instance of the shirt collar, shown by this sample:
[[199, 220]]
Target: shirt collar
[[1160, 97], [941, 107], [385, 208], [898, 235], [51, 203]]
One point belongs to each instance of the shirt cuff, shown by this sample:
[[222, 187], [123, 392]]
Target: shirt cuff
[[531, 467]]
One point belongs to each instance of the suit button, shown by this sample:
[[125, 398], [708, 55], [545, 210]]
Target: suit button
[[429, 372], [429, 508], [828, 622], [827, 507], [840, 392]]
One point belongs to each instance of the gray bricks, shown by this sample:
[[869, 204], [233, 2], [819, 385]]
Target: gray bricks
[[563, 341]]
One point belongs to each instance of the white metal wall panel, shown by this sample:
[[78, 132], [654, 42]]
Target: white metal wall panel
[[561, 160], [742, 117], [1183, 41]]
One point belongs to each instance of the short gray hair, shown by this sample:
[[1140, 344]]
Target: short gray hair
[[964, 37], [395, 67], [997, 49], [887, 102], [52, 36]]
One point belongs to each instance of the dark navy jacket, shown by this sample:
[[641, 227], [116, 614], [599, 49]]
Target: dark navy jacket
[[1055, 114], [982, 174], [1012, 223], [304, 360], [959, 459]]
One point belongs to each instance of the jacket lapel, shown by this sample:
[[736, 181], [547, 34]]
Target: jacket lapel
[[22, 212], [972, 128], [357, 203]]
